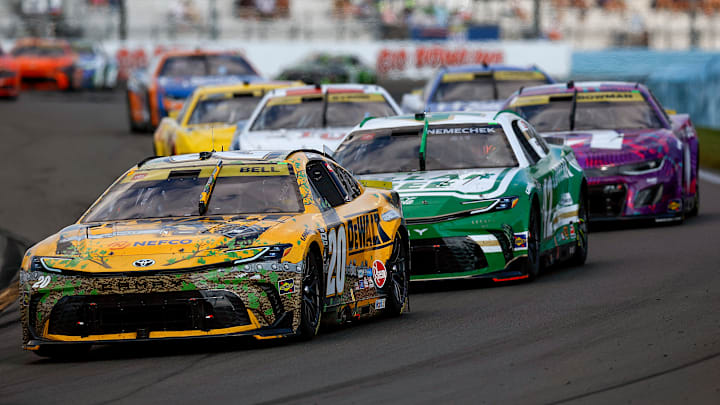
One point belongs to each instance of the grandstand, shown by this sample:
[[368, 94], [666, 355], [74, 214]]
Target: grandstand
[[585, 24]]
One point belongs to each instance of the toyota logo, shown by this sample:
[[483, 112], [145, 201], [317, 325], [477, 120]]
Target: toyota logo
[[143, 262]]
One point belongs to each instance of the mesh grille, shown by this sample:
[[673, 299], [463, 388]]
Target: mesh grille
[[445, 255], [143, 313], [606, 200]]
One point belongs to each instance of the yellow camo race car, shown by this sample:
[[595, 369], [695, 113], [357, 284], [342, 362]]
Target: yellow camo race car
[[210, 117], [262, 244]]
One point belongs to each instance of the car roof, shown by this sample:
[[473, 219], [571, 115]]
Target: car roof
[[41, 42], [487, 68], [589, 86], [247, 86], [236, 157], [318, 89], [186, 52], [475, 117]]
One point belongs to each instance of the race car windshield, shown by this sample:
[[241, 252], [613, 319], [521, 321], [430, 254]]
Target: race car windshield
[[449, 147], [162, 193], [484, 86], [225, 110], [479, 89], [39, 51], [612, 111], [206, 65], [302, 112], [83, 49]]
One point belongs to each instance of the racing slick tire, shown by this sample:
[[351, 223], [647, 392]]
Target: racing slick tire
[[310, 305], [532, 264], [134, 126], [64, 352], [581, 250], [399, 267], [696, 209]]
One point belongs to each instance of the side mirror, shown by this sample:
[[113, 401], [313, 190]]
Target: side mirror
[[412, 103]]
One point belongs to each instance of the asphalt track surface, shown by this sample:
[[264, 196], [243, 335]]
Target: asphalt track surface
[[639, 323]]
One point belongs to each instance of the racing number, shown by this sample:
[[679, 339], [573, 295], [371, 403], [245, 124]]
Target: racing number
[[42, 282], [547, 207], [337, 248]]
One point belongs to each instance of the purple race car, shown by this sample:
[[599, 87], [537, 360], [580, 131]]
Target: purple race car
[[640, 161]]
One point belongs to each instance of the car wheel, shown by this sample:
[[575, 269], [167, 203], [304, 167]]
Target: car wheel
[[134, 126], [399, 267], [63, 352], [696, 209], [311, 303], [532, 264], [581, 250]]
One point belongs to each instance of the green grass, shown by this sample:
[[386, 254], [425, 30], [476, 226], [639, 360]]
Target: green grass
[[709, 148]]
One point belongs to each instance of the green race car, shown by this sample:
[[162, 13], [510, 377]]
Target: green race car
[[484, 196]]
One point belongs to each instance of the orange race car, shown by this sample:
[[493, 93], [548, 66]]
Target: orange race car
[[9, 77], [45, 63], [160, 90]]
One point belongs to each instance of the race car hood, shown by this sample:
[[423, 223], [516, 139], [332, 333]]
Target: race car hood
[[158, 245], [442, 192], [489, 105], [32, 64], [294, 139], [615, 147], [181, 87]]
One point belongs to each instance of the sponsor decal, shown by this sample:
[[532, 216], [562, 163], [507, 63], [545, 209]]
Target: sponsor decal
[[139, 176], [365, 231], [117, 245], [379, 273], [420, 231], [143, 262], [606, 139], [286, 286], [572, 231], [163, 242], [674, 205], [467, 130], [361, 283], [520, 241], [380, 303]]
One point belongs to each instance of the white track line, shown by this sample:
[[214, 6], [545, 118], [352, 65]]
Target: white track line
[[712, 177]]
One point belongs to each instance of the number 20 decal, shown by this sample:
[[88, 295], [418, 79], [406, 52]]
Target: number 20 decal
[[42, 282], [337, 248]]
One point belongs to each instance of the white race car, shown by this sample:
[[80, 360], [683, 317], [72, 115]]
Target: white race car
[[312, 117]]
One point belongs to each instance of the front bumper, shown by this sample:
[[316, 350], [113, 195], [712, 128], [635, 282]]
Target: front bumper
[[657, 196], [458, 257], [9, 85], [245, 299]]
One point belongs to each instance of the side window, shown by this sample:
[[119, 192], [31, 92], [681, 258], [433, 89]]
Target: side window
[[662, 109], [348, 181], [326, 182], [540, 140], [530, 153]]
